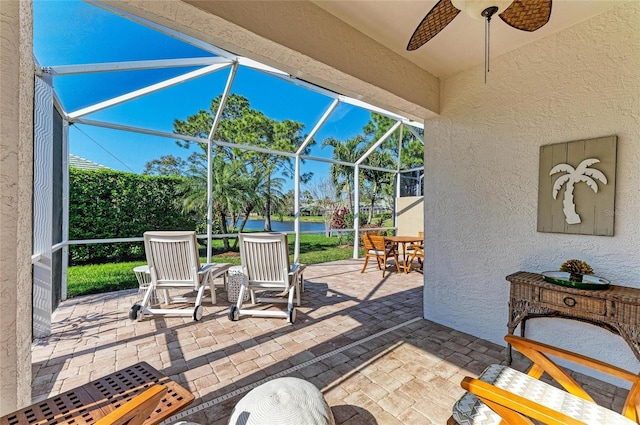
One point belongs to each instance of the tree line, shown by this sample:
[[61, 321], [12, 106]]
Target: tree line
[[172, 192], [246, 182]]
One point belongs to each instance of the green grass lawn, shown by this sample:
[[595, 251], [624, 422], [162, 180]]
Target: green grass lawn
[[97, 278], [303, 218]]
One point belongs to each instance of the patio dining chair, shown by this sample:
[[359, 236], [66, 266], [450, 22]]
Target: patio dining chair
[[414, 252], [502, 395], [174, 263], [376, 247], [266, 268]]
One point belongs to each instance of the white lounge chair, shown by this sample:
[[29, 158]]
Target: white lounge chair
[[265, 264], [174, 263]]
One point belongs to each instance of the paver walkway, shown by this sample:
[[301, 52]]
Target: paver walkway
[[358, 337]]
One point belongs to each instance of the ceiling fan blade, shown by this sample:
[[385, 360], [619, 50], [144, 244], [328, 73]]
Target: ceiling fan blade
[[527, 15], [435, 21]]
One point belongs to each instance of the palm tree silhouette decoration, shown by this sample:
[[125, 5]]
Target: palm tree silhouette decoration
[[582, 173]]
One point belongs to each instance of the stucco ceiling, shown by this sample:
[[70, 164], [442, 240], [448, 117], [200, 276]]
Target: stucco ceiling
[[460, 45]]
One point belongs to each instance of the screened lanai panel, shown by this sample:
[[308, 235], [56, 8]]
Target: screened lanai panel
[[346, 122], [319, 195], [279, 101], [124, 150], [58, 206], [412, 183], [77, 29], [85, 90], [42, 206], [159, 110]]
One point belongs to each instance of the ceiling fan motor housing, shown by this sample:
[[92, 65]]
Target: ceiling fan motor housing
[[475, 8]]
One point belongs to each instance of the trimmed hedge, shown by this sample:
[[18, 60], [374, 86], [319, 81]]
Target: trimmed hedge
[[112, 204]]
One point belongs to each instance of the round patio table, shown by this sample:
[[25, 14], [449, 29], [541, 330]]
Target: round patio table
[[403, 240]]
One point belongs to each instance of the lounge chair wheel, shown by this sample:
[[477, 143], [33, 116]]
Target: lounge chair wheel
[[233, 313], [135, 311], [197, 313], [291, 316]]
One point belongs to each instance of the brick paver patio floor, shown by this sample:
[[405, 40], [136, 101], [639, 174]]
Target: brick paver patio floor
[[359, 338]]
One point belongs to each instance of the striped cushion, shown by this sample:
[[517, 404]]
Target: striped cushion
[[378, 252], [469, 410]]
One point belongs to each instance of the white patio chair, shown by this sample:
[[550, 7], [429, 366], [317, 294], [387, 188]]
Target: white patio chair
[[265, 264], [174, 263]]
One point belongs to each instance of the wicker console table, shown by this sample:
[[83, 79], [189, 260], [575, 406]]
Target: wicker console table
[[616, 308]]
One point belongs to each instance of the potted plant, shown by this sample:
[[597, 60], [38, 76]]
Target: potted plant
[[576, 269]]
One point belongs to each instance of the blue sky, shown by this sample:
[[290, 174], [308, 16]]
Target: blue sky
[[70, 32]]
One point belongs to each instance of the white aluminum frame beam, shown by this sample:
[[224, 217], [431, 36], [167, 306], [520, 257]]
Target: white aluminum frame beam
[[214, 127], [397, 176], [61, 70], [356, 210], [65, 205], [187, 138], [319, 124], [194, 139], [262, 67], [149, 89], [415, 133], [356, 185], [375, 146], [296, 181], [411, 170], [140, 130]]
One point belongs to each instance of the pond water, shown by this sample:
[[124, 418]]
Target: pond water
[[283, 226]]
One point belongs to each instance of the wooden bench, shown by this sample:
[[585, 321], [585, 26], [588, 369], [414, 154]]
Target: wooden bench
[[90, 402]]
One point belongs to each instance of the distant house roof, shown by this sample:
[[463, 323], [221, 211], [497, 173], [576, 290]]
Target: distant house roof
[[85, 164]]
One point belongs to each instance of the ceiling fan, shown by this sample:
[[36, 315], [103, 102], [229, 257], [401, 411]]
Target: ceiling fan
[[525, 15]]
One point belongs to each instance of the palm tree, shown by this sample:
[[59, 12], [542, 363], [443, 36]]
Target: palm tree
[[257, 186], [378, 180], [226, 190], [342, 175], [244, 125], [582, 173]]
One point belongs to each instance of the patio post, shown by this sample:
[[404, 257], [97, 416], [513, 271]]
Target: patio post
[[214, 127], [356, 209], [65, 204], [398, 175], [296, 202]]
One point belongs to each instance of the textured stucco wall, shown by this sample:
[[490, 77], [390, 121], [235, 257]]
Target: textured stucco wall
[[16, 123], [306, 41], [481, 177]]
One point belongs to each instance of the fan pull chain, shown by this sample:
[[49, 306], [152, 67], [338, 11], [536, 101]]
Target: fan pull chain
[[487, 32], [487, 13], [487, 57]]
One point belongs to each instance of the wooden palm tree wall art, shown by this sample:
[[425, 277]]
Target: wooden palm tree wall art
[[582, 173], [575, 195]]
